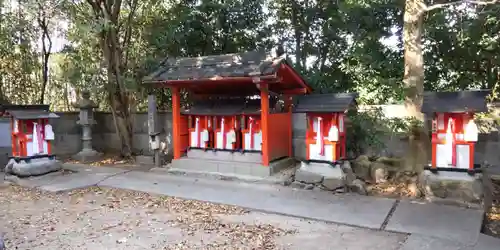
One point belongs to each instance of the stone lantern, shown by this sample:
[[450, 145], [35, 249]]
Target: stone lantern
[[86, 120]]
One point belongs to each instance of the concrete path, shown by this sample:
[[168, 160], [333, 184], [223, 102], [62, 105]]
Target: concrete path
[[349, 209], [430, 226], [433, 220]]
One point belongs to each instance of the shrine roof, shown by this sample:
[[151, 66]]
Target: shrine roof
[[254, 63], [232, 106], [339, 102], [253, 106], [460, 101], [23, 107], [220, 69], [216, 107], [201, 107], [31, 114]]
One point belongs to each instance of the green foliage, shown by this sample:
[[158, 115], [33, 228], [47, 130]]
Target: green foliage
[[370, 129], [365, 130], [337, 46]]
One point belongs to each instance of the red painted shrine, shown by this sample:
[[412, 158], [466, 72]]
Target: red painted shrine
[[454, 132], [31, 133], [240, 111], [325, 139], [31, 139]]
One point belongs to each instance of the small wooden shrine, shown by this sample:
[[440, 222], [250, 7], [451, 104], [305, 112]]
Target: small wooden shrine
[[31, 139], [234, 116], [325, 138], [454, 132]]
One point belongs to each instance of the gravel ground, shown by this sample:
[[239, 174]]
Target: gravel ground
[[98, 218]]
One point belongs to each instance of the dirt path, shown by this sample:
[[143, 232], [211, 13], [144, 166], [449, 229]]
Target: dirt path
[[115, 219]]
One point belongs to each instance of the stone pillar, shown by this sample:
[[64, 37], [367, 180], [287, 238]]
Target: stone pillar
[[86, 120], [153, 129]]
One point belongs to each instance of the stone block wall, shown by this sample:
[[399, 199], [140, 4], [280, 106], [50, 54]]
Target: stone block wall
[[68, 134]]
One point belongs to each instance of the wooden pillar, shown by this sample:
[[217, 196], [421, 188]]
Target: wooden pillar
[[471, 156], [176, 121], [288, 108], [288, 103], [264, 103]]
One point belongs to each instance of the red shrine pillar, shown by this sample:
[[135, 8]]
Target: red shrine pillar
[[288, 109], [176, 121], [264, 103]]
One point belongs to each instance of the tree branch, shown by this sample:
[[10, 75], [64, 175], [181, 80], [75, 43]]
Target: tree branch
[[444, 5]]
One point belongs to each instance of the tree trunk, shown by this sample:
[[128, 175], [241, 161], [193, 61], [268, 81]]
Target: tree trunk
[[109, 39], [123, 122], [413, 80], [413, 56], [117, 95], [43, 19], [297, 34], [45, 74]]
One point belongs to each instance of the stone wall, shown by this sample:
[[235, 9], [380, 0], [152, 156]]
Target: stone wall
[[68, 133], [67, 140]]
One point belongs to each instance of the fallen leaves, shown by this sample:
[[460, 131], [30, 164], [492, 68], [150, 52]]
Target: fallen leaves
[[106, 160], [94, 213], [394, 190], [492, 222]]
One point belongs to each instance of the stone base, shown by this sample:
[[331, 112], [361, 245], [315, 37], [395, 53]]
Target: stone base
[[249, 157], [86, 156], [326, 175], [338, 177], [145, 159], [222, 167], [33, 167], [453, 187]]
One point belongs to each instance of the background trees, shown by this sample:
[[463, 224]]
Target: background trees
[[387, 50]]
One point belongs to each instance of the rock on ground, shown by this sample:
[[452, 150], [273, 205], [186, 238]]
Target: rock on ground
[[33, 168], [452, 186], [339, 177], [379, 172], [361, 166]]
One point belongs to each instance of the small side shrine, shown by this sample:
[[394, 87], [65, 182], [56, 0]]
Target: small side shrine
[[325, 114], [32, 140], [234, 124], [454, 132]]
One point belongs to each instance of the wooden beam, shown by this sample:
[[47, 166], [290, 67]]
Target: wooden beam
[[300, 91], [214, 80], [298, 79]]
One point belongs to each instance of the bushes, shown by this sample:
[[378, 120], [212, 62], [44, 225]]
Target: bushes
[[368, 131]]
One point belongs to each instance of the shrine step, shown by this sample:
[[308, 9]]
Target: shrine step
[[230, 167], [248, 157]]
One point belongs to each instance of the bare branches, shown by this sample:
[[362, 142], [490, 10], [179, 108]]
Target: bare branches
[[454, 3]]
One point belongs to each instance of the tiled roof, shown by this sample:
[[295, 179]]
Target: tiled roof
[[199, 107], [229, 106], [23, 107], [324, 102], [31, 114], [254, 63], [460, 101]]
